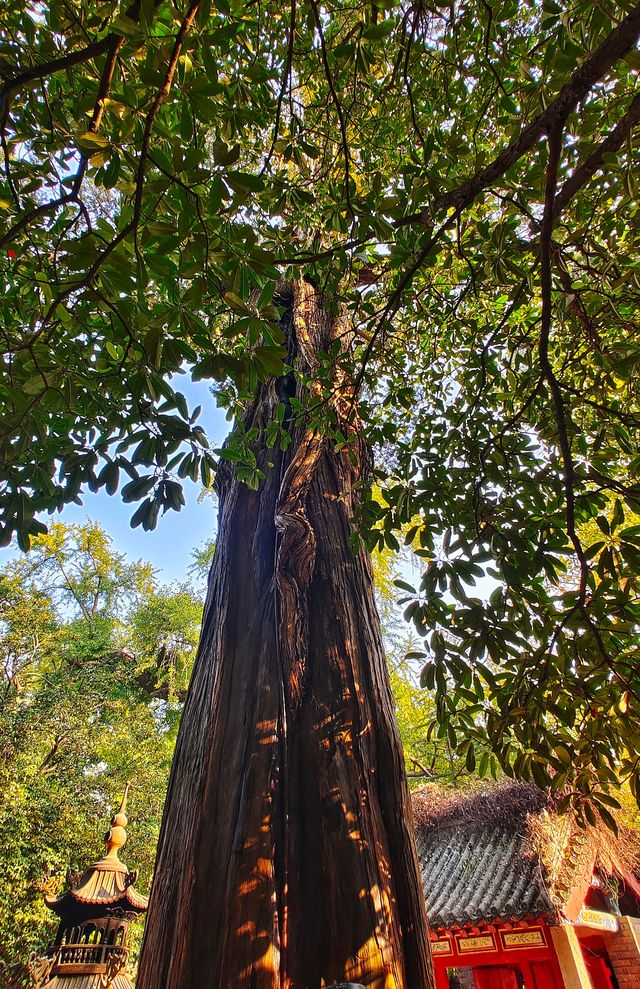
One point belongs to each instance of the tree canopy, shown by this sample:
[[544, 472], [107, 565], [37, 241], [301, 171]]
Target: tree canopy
[[461, 178]]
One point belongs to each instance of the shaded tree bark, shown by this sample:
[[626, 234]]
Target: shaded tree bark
[[286, 857]]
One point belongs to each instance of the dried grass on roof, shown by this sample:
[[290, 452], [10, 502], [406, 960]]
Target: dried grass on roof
[[526, 808], [500, 804]]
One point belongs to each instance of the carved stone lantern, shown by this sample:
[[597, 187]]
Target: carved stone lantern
[[90, 950]]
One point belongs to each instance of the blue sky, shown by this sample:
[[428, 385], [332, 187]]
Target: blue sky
[[169, 547]]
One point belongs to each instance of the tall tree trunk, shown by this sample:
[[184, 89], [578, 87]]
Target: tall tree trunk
[[286, 858]]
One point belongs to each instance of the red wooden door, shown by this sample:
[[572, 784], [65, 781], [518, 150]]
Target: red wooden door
[[497, 977], [544, 976], [599, 971]]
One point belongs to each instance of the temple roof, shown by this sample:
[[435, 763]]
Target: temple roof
[[473, 874], [104, 886], [504, 854], [95, 981]]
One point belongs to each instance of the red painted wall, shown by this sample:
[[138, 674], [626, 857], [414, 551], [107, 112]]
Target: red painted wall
[[498, 960]]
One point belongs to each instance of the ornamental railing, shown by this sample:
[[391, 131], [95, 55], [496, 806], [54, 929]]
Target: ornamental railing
[[75, 959]]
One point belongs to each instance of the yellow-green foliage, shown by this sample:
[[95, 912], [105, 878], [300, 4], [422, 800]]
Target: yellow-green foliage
[[93, 656]]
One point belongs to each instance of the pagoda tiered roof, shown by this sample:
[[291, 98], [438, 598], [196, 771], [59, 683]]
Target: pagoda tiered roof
[[90, 950], [106, 882], [102, 883]]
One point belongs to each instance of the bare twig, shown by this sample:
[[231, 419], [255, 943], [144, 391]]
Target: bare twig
[[283, 87], [546, 249], [407, 80], [160, 98], [576, 302], [337, 104]]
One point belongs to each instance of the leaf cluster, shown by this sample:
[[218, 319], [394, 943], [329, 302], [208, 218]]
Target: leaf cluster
[[461, 182]]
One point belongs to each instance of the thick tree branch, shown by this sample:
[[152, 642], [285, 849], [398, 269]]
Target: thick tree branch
[[23, 77], [7, 168], [621, 40], [51, 754], [105, 84], [146, 681], [33, 214], [630, 420], [407, 80], [308, 258], [612, 143]]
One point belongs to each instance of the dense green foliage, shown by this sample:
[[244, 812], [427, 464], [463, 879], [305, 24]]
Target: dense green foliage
[[93, 657], [462, 179], [428, 756]]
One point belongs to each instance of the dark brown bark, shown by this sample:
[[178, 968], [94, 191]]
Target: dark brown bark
[[286, 858]]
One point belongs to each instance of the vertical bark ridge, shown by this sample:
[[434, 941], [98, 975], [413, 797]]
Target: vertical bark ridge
[[286, 859], [295, 563]]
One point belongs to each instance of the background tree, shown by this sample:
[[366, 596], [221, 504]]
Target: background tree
[[93, 656]]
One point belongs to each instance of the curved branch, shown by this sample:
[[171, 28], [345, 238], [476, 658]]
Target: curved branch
[[337, 104], [612, 143], [24, 76], [621, 40], [72, 196], [283, 87], [160, 98], [132, 225]]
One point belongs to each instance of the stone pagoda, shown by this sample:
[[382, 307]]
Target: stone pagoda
[[90, 949]]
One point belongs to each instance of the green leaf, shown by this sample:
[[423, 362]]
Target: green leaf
[[244, 181], [380, 30], [138, 488], [608, 818], [88, 142], [126, 26], [271, 358]]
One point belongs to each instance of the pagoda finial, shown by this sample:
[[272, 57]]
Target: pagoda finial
[[123, 803], [91, 946], [116, 837]]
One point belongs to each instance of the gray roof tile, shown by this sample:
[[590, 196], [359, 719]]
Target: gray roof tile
[[480, 873]]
